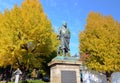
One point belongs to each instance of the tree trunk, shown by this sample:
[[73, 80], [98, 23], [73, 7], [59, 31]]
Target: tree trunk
[[108, 75]]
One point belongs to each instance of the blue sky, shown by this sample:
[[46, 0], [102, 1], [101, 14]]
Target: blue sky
[[74, 12]]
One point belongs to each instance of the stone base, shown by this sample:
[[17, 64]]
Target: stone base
[[65, 58], [63, 71], [3, 82]]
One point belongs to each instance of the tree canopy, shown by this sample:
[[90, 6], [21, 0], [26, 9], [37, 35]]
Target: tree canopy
[[100, 42], [25, 34]]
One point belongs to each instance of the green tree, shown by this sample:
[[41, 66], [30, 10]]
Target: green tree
[[100, 42]]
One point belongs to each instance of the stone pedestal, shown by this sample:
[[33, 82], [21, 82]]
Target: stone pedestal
[[63, 71]]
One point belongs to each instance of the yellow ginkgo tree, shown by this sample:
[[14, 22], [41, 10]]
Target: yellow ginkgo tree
[[100, 42], [26, 34]]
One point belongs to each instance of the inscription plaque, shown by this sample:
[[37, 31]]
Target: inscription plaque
[[68, 77]]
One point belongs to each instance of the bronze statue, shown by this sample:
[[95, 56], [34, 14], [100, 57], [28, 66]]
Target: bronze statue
[[64, 37]]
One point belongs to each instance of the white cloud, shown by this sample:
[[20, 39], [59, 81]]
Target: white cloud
[[74, 33]]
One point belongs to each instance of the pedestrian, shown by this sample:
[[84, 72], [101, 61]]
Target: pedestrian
[[17, 74]]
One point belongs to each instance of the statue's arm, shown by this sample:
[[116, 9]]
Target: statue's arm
[[69, 35], [59, 34]]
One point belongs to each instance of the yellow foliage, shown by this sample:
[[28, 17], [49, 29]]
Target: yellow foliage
[[101, 40], [25, 33]]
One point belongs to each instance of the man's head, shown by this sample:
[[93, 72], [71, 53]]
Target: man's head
[[64, 24]]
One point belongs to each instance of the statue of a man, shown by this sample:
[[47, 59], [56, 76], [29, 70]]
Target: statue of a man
[[64, 37]]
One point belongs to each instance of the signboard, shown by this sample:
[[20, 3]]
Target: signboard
[[68, 77]]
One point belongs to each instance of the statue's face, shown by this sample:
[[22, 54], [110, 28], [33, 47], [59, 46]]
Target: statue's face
[[65, 24]]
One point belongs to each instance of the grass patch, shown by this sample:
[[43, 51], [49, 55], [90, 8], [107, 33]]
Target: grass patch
[[31, 81]]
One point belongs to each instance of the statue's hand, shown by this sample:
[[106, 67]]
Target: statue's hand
[[58, 37]]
